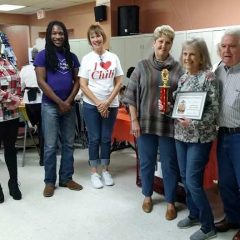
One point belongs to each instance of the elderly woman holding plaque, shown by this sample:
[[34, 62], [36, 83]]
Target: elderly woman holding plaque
[[194, 137], [152, 129]]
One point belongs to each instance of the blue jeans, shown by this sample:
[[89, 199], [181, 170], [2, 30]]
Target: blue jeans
[[99, 134], [192, 159], [228, 155], [148, 145], [53, 123]]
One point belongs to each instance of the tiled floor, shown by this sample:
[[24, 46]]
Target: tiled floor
[[111, 213]]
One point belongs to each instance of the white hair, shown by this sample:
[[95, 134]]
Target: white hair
[[232, 32]]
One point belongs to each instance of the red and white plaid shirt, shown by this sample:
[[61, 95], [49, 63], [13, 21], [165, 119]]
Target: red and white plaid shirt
[[10, 91]]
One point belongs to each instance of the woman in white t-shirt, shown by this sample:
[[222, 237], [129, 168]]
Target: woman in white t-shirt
[[100, 81]]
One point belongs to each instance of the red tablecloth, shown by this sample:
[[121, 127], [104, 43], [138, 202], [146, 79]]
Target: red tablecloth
[[210, 173], [121, 131]]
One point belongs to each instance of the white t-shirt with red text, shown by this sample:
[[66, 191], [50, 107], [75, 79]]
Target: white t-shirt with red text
[[100, 72]]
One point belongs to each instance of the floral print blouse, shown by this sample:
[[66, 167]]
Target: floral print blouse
[[204, 130]]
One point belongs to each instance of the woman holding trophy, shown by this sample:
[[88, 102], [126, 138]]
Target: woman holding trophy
[[152, 129]]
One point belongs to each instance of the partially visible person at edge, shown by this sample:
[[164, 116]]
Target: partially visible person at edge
[[194, 137], [219, 62], [32, 98], [100, 82], [124, 86], [57, 70], [152, 129], [10, 92], [228, 146]]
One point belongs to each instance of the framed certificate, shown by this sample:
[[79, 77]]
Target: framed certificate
[[189, 105]]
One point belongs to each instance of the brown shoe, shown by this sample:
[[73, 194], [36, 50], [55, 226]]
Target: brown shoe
[[224, 226], [171, 213], [147, 206], [71, 185], [48, 190], [237, 236]]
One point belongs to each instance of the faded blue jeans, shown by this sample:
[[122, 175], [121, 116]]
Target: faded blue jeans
[[148, 145], [99, 134], [192, 159], [53, 123]]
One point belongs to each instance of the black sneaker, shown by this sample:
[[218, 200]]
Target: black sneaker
[[1, 195], [14, 190]]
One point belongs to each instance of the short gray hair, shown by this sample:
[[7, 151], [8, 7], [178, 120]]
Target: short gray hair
[[200, 46], [164, 30], [232, 32]]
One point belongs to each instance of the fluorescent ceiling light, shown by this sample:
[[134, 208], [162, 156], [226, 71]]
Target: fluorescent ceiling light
[[7, 7]]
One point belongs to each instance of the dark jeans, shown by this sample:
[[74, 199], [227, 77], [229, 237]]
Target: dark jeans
[[99, 134], [228, 155], [8, 136]]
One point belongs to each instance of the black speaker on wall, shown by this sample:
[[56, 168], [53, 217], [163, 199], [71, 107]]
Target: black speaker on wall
[[128, 20], [100, 13]]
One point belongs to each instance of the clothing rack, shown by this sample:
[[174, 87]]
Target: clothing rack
[[7, 50]]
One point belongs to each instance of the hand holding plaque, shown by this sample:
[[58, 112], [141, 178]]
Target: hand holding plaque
[[164, 90], [189, 105]]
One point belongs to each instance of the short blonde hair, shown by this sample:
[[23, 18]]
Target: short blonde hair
[[200, 46], [96, 28], [163, 30]]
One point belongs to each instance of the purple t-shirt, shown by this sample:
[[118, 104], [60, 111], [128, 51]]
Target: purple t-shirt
[[61, 81]]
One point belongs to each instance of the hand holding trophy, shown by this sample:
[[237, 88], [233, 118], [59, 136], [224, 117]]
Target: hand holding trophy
[[164, 90]]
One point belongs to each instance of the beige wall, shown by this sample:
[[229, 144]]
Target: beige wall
[[16, 19], [17, 29], [18, 36], [77, 18], [180, 14], [188, 14]]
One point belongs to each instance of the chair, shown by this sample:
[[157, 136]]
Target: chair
[[28, 130], [81, 139]]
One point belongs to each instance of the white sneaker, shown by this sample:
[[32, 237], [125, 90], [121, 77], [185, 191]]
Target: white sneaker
[[96, 181], [107, 178]]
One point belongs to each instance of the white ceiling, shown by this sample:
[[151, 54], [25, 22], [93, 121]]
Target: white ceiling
[[32, 6]]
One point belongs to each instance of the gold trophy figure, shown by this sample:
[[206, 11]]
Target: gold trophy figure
[[164, 90]]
